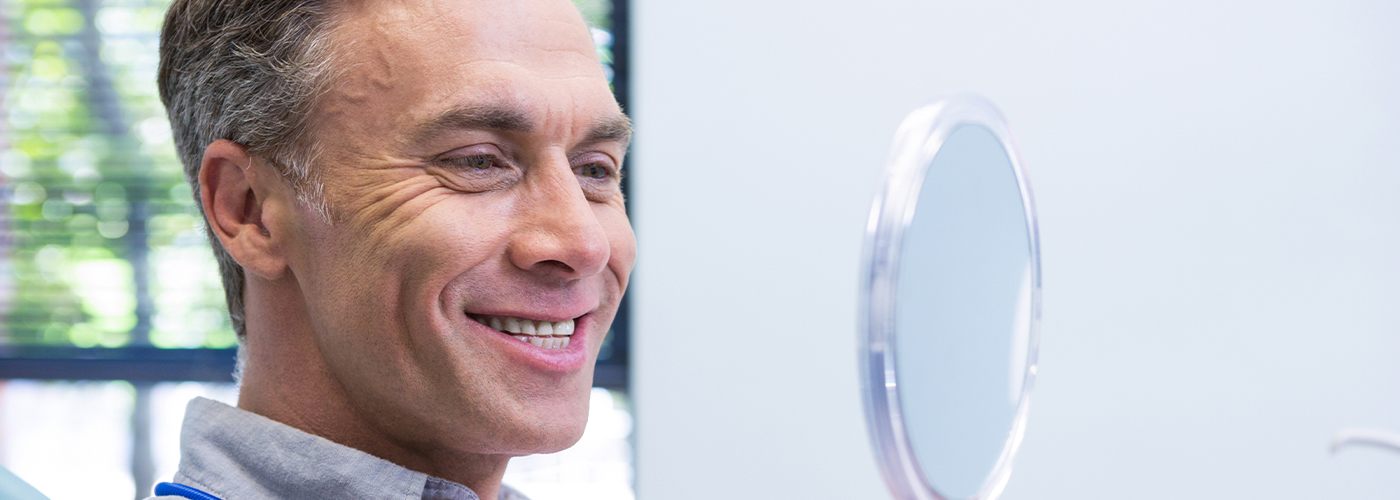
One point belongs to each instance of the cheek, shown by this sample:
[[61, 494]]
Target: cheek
[[438, 245], [622, 240], [410, 223], [381, 259]]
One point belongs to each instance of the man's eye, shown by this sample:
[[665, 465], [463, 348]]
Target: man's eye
[[476, 171], [475, 162], [595, 171]]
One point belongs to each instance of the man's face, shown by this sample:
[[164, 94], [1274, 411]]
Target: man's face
[[471, 156]]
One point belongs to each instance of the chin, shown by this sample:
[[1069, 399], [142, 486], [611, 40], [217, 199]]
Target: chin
[[538, 439]]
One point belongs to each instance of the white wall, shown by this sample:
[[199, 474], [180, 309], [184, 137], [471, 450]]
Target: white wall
[[1219, 188]]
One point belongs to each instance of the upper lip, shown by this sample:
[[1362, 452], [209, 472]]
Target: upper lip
[[552, 316]]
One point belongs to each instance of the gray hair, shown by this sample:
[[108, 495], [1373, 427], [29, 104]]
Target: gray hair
[[249, 71]]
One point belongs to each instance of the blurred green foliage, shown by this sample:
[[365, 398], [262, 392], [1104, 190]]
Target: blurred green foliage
[[596, 12], [88, 160]]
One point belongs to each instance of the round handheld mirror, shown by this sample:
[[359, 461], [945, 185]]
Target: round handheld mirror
[[950, 305]]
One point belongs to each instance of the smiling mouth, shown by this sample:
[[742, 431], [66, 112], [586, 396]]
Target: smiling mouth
[[542, 334]]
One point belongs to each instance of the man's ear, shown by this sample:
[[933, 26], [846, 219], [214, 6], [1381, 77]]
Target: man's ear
[[235, 206]]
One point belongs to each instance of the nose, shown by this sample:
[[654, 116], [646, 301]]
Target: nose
[[558, 235]]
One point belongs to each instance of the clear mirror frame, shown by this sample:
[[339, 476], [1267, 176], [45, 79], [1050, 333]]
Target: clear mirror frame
[[917, 142]]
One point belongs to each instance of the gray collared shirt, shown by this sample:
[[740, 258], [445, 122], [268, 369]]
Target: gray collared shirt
[[234, 454]]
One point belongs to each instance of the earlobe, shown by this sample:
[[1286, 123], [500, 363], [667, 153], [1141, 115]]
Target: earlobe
[[235, 209]]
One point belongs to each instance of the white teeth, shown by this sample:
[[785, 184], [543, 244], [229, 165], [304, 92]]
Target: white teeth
[[520, 326], [544, 342]]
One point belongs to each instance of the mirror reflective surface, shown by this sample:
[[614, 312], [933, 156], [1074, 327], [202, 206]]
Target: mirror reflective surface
[[951, 305]]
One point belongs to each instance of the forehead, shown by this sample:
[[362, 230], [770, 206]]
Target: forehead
[[541, 31], [403, 60]]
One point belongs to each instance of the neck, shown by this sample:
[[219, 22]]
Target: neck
[[286, 379]]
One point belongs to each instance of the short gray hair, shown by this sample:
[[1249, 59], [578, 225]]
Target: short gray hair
[[249, 71]]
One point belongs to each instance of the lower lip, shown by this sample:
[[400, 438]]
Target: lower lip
[[566, 360]]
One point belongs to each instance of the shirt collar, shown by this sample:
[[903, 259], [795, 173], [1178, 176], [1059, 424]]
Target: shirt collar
[[232, 454]]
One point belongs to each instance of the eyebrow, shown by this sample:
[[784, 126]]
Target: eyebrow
[[473, 117], [616, 128]]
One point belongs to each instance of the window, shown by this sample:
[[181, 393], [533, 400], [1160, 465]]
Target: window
[[111, 310]]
